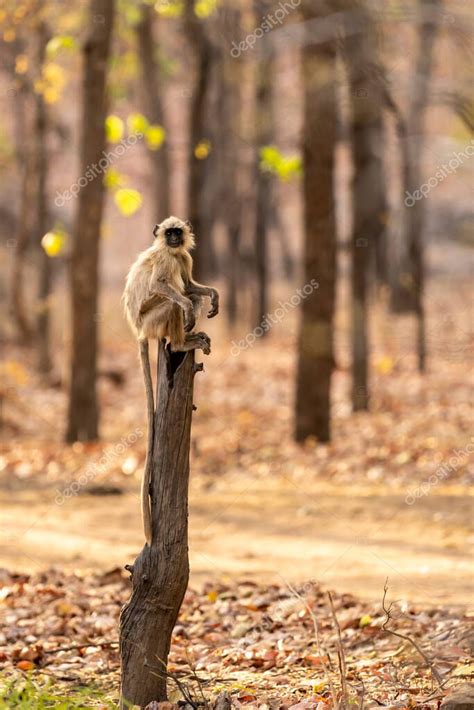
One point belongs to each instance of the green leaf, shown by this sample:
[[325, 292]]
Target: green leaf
[[128, 201], [365, 620], [114, 128]]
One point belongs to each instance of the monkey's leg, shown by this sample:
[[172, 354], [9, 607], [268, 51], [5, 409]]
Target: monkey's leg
[[194, 341], [164, 290], [150, 407]]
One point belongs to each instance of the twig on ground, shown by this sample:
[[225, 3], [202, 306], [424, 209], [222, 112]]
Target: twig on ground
[[183, 689], [318, 642], [387, 610], [340, 653]]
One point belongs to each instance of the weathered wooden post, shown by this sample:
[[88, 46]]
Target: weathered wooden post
[[161, 571]]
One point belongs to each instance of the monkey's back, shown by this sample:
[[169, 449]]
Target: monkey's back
[[137, 288], [151, 266]]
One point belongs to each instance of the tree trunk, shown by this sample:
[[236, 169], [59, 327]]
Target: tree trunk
[[17, 295], [161, 571], [202, 50], [415, 215], [263, 116], [229, 80], [315, 344], [43, 321], [24, 159], [398, 273], [83, 412], [368, 184], [154, 110]]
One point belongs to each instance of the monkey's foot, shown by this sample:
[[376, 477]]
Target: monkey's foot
[[204, 342], [196, 341]]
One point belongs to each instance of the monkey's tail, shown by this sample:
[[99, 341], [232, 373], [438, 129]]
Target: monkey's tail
[[150, 406]]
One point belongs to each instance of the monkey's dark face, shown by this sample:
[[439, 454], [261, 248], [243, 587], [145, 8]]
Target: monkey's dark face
[[174, 234], [174, 237]]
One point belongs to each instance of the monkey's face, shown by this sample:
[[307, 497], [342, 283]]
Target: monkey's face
[[174, 234]]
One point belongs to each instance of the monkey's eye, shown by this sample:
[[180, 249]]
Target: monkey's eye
[[178, 231], [169, 232]]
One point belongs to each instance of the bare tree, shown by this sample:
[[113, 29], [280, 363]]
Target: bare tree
[[315, 344], [161, 571], [152, 101], [83, 414]]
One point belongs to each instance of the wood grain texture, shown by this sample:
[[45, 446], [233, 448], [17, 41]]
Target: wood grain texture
[[161, 571]]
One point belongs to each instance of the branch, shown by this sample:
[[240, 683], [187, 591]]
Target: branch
[[340, 651], [405, 637]]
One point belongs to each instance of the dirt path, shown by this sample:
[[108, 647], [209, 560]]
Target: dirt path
[[350, 540]]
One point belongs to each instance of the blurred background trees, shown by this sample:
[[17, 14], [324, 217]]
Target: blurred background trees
[[289, 134]]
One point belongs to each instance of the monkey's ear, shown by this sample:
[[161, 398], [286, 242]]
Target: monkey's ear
[[155, 230], [188, 224]]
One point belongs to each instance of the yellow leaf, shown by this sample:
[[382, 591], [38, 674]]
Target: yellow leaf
[[53, 242], [128, 201], [51, 95], [169, 8], [15, 372], [21, 64], [365, 620], [202, 150], [54, 74], [19, 13], [64, 608], [385, 365], [55, 44], [39, 86], [9, 36], [212, 595], [114, 128], [113, 179], [204, 8], [154, 136], [137, 123]]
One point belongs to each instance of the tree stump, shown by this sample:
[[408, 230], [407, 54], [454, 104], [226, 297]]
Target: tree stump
[[161, 571]]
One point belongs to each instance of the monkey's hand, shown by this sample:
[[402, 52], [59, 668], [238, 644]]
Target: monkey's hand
[[189, 319], [214, 303]]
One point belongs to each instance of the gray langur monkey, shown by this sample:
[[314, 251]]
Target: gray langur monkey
[[161, 300]]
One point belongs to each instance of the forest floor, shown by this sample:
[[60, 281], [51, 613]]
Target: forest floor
[[388, 498]]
